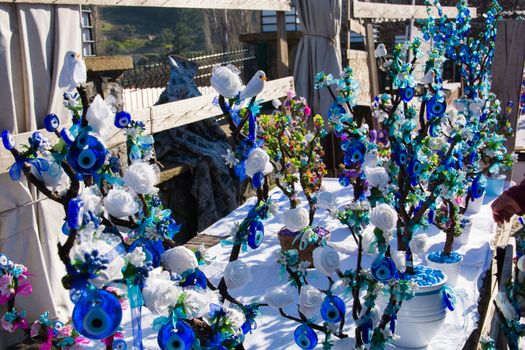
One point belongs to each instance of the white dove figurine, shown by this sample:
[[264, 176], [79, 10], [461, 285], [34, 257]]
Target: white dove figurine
[[255, 86], [73, 72], [380, 51]]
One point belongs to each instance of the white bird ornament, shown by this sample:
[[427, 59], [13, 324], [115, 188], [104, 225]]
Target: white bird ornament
[[380, 51], [73, 72], [255, 86]]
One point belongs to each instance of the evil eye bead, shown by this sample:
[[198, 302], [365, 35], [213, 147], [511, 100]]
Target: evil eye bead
[[305, 337], [383, 269], [180, 337], [435, 108], [407, 94], [365, 332], [195, 278], [97, 315], [66, 135], [120, 344], [258, 180], [4, 260], [58, 326], [51, 122], [74, 213], [8, 140], [256, 235], [333, 309], [122, 119], [414, 171], [344, 181], [355, 153], [87, 155], [478, 186], [401, 155]]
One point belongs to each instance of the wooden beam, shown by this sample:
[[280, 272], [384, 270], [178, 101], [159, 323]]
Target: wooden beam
[[372, 63], [163, 117], [507, 71], [357, 27], [272, 5], [394, 11], [282, 46]]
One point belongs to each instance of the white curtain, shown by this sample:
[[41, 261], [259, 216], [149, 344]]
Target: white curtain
[[33, 41], [318, 50]]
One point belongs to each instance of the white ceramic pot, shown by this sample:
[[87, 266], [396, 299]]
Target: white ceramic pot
[[465, 234], [475, 205], [420, 318], [495, 185], [451, 269]]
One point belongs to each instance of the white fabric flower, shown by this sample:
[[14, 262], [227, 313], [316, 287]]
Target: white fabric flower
[[418, 244], [296, 219], [226, 81], [137, 257], [399, 260], [280, 297], [120, 203], [326, 260], [235, 316], [376, 176], [141, 177], [310, 300], [197, 303], [179, 259], [371, 158], [276, 103], [504, 304], [258, 162], [326, 200], [230, 159], [236, 274], [521, 263], [100, 117], [383, 217], [368, 242], [160, 294], [92, 199]]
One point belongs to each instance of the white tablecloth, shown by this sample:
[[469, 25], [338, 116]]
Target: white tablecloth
[[274, 332]]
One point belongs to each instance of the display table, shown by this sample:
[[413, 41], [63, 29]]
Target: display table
[[275, 332]]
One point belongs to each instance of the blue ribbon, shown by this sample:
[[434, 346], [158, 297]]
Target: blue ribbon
[[135, 302]]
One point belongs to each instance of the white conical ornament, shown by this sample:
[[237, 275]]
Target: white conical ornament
[[380, 51], [73, 72], [255, 86]]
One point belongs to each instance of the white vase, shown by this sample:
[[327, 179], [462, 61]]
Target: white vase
[[420, 318], [495, 185], [465, 234], [475, 205], [450, 269]]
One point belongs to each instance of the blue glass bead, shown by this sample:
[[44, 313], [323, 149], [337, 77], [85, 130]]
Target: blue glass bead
[[478, 186], [258, 180], [66, 135], [195, 278], [400, 155], [65, 228], [333, 309], [74, 213], [366, 329], [305, 337], [383, 268], [449, 300], [122, 119], [87, 155], [151, 248], [414, 171], [51, 122], [344, 181], [431, 214], [355, 153], [180, 337], [335, 110], [120, 344], [435, 108], [256, 234], [8, 140], [97, 314], [407, 93]]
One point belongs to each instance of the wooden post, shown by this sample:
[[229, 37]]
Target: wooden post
[[372, 64], [507, 71], [282, 46]]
